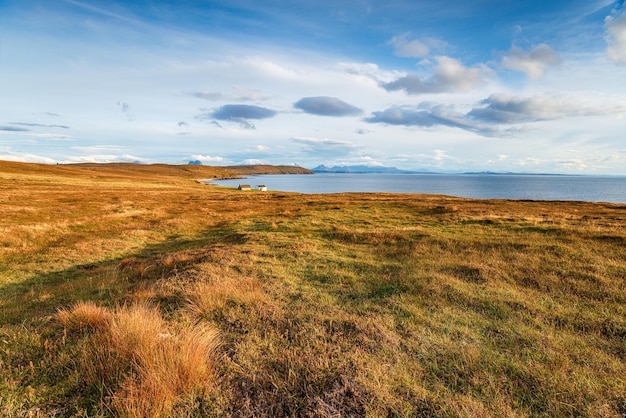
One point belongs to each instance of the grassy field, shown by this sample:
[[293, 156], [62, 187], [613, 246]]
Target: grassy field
[[136, 291]]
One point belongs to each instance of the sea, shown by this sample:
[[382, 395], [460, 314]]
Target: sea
[[483, 186]]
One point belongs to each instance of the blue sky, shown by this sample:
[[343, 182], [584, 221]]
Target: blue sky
[[498, 85]]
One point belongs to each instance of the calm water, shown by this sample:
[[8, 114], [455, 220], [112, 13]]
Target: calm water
[[538, 187]]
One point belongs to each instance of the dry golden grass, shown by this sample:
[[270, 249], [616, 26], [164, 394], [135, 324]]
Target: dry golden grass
[[145, 365], [84, 315], [177, 371], [205, 298], [326, 305]]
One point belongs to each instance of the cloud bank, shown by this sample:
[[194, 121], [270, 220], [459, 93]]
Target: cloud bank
[[448, 75], [428, 115], [7, 155], [505, 108], [496, 115]]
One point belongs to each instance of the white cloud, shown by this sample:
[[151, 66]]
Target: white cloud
[[429, 115], [239, 94], [159, 75], [448, 75], [361, 160], [8, 155], [271, 69], [322, 142], [106, 158], [325, 146], [370, 162], [502, 115], [252, 161], [369, 71], [616, 38], [505, 108], [244, 94], [403, 46], [207, 158], [209, 95], [95, 149], [533, 63], [440, 155]]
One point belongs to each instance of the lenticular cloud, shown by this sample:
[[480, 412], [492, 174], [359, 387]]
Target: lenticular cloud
[[326, 106]]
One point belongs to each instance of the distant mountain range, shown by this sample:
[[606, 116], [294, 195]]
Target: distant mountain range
[[366, 169], [357, 169], [360, 169]]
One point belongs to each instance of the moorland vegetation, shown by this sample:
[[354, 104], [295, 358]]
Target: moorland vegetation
[[131, 290]]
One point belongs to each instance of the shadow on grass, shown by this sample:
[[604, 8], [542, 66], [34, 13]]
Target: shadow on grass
[[39, 373], [107, 282]]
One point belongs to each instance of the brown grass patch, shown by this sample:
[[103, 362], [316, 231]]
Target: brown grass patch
[[207, 297], [177, 370], [146, 366], [84, 315], [134, 269]]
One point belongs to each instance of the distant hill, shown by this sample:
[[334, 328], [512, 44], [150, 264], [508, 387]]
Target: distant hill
[[360, 169], [153, 172]]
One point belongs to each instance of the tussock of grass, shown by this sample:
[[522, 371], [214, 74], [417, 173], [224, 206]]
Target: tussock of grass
[[146, 367], [178, 370], [84, 316]]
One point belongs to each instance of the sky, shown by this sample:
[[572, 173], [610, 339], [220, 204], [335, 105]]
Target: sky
[[530, 86]]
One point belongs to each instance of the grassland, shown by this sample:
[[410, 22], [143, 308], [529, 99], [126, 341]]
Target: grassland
[[136, 291]]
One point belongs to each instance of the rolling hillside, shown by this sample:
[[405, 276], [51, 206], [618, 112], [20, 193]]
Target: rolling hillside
[[130, 290]]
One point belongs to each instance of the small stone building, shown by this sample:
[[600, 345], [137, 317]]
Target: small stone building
[[244, 187]]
